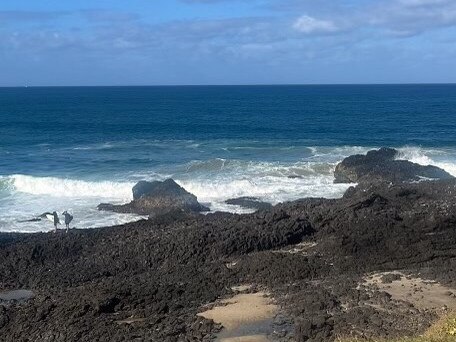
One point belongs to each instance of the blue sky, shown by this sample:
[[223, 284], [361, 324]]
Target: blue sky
[[154, 42]]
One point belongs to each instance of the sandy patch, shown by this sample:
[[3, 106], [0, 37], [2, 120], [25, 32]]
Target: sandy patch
[[423, 294], [242, 309], [246, 317]]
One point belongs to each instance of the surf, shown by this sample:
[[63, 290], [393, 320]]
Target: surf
[[62, 187], [212, 180]]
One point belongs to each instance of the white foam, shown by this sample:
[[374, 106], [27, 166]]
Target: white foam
[[29, 196], [58, 187], [270, 189], [213, 181], [443, 158], [271, 182]]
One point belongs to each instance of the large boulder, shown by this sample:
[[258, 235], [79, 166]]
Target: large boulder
[[158, 198], [382, 166]]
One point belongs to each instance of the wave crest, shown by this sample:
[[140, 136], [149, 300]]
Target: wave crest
[[259, 168], [69, 188]]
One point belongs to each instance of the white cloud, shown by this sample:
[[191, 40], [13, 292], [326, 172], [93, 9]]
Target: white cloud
[[309, 25]]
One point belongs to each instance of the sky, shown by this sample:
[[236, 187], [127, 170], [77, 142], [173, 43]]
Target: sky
[[173, 42]]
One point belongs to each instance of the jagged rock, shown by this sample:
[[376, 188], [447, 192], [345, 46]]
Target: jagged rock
[[381, 166], [157, 198], [249, 203], [311, 255], [4, 319], [107, 305]]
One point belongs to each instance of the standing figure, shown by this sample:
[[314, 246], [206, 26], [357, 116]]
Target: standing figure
[[53, 218], [68, 219]]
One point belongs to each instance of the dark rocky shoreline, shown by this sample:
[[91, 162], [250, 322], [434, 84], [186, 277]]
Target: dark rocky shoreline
[[311, 255]]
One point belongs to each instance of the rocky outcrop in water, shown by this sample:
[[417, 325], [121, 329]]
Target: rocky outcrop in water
[[157, 198], [382, 166]]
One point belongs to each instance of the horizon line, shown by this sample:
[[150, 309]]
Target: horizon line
[[227, 85]]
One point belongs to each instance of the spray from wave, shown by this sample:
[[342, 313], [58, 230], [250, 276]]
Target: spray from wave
[[215, 181], [443, 158]]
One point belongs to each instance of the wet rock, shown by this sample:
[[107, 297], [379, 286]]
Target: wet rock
[[381, 166], [16, 295], [157, 198], [249, 203]]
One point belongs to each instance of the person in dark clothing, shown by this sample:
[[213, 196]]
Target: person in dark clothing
[[68, 219], [55, 219]]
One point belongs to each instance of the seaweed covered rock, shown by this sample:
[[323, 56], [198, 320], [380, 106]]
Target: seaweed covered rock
[[382, 166], [157, 198]]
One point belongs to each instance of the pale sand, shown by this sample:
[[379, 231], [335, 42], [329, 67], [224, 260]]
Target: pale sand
[[304, 248], [423, 294], [131, 320], [241, 310], [241, 288]]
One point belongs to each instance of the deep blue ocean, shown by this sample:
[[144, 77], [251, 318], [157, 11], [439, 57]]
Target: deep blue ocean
[[72, 148]]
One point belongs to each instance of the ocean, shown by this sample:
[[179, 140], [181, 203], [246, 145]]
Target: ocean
[[71, 148]]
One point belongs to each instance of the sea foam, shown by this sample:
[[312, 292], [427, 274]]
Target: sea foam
[[213, 181], [60, 187], [443, 158]]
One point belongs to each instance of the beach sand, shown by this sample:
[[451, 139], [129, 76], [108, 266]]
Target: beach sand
[[246, 317], [423, 294]]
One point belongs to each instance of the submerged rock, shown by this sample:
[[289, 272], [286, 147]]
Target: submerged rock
[[249, 203], [381, 166], [157, 198]]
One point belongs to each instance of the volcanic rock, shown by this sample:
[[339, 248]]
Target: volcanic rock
[[249, 203], [4, 319], [311, 255], [382, 166], [157, 198]]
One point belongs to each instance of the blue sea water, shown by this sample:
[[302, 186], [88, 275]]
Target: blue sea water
[[71, 148]]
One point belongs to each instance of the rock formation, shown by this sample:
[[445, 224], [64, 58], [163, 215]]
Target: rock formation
[[382, 166], [157, 198]]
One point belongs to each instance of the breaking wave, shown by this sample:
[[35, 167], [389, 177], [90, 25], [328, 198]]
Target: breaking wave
[[443, 158], [59, 187], [212, 180]]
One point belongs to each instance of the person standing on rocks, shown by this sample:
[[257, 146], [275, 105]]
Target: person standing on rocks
[[68, 219], [53, 218]]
